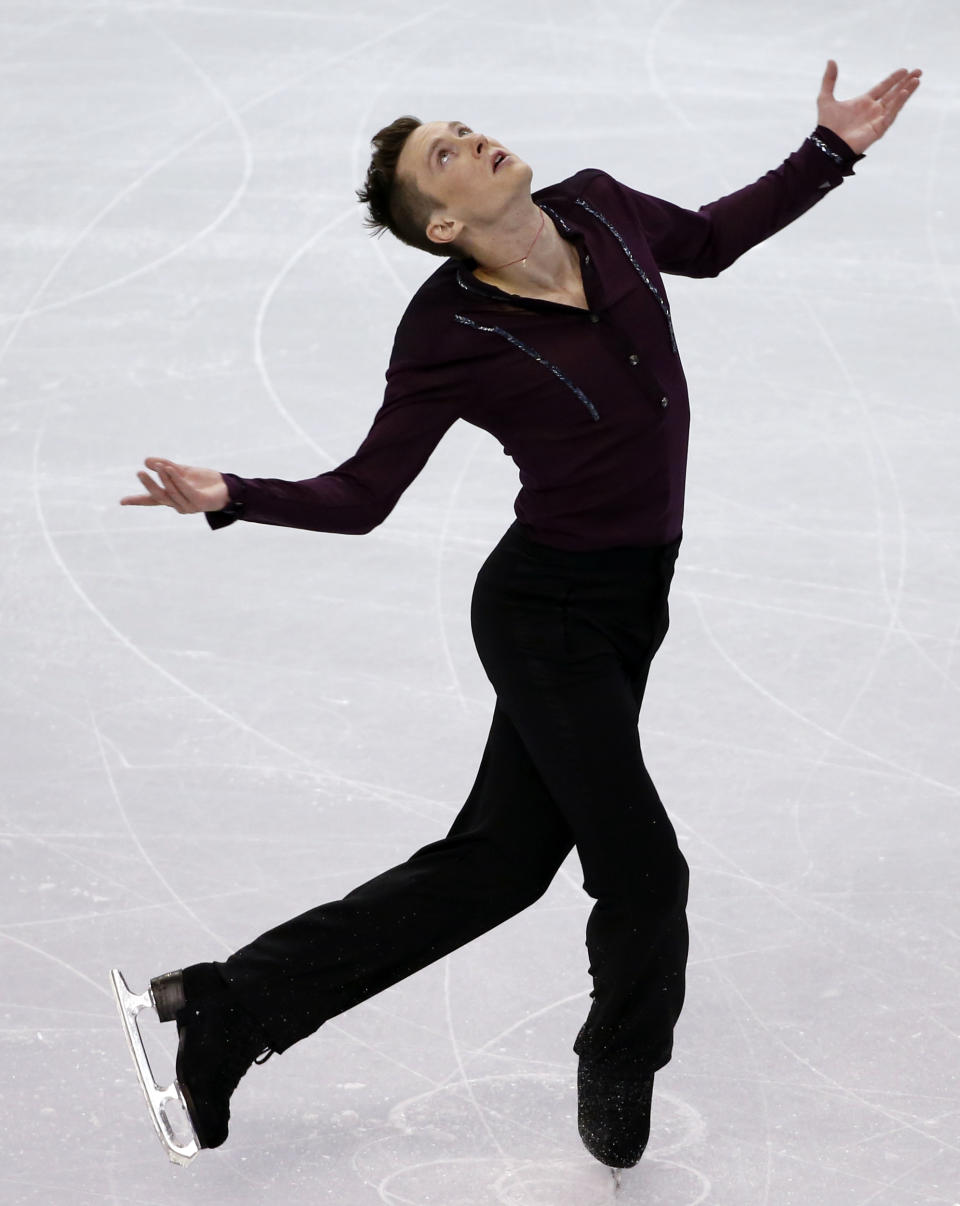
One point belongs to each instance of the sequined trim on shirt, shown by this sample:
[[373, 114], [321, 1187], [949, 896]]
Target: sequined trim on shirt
[[818, 142], [629, 254], [556, 217], [536, 356]]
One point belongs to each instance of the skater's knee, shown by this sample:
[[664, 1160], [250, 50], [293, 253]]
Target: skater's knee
[[519, 876], [520, 886], [641, 886]]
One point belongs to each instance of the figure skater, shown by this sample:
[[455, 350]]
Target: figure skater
[[548, 326]]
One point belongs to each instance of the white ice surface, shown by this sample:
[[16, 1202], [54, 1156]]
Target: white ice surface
[[204, 733]]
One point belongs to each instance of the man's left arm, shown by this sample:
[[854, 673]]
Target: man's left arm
[[706, 241]]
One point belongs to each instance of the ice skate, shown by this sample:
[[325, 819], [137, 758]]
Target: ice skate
[[180, 1150], [218, 1042], [613, 1117]]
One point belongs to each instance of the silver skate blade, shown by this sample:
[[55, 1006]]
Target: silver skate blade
[[158, 1098], [617, 1174]]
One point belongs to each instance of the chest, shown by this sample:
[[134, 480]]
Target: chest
[[558, 375], [572, 296]]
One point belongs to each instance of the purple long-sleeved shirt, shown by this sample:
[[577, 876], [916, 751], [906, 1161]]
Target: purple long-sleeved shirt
[[591, 404]]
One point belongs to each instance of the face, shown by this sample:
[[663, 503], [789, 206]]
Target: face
[[475, 178]]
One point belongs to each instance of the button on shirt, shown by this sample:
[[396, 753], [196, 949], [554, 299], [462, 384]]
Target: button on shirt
[[590, 404]]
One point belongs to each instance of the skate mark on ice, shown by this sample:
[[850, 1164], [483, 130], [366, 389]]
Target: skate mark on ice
[[704, 1185], [843, 1091], [258, 356], [135, 838], [33, 1007], [894, 600], [232, 115], [812, 924], [28, 946], [390, 1018], [756, 1063], [589, 1187], [380, 792], [525, 1181], [800, 613], [907, 1175], [111, 914], [341, 1028], [933, 161], [122, 638], [809, 923], [651, 49], [470, 1053], [815, 929], [465, 1080], [448, 1088], [48, 842], [14, 48], [527, 1018], [343, 216], [155, 165], [780, 703], [895, 623], [777, 893]]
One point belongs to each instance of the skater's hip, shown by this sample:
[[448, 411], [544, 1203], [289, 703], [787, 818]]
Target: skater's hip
[[564, 604], [618, 561], [621, 574]]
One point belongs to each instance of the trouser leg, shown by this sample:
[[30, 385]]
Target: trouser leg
[[640, 910], [569, 660], [500, 854]]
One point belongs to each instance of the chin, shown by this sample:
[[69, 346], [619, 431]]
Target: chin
[[521, 173]]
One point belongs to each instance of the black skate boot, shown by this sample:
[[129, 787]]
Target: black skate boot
[[218, 1043], [613, 1116]]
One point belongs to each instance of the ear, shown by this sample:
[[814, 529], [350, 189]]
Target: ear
[[443, 230]]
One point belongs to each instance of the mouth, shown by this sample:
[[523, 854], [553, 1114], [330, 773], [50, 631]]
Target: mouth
[[499, 157]]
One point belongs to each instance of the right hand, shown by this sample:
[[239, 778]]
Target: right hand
[[183, 487]]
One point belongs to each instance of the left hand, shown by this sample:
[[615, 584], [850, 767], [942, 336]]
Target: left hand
[[864, 119], [184, 487]]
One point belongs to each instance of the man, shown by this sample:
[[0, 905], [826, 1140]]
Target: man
[[549, 326]]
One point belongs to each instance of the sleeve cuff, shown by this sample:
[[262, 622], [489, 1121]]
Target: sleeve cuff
[[835, 148], [235, 507]]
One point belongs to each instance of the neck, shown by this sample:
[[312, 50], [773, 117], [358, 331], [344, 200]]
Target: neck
[[549, 261]]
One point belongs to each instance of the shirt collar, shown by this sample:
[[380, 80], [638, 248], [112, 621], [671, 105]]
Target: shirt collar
[[569, 226]]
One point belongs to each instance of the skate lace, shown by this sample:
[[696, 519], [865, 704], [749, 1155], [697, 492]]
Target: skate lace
[[238, 1058]]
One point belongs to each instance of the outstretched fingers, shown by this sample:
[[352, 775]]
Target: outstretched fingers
[[170, 475], [878, 91], [903, 94], [139, 500], [156, 495], [156, 492]]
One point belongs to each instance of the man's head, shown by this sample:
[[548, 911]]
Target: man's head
[[436, 184]]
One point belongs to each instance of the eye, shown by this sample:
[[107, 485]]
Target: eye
[[462, 130]]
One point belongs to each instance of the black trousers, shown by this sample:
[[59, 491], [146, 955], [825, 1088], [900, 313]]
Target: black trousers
[[566, 638]]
